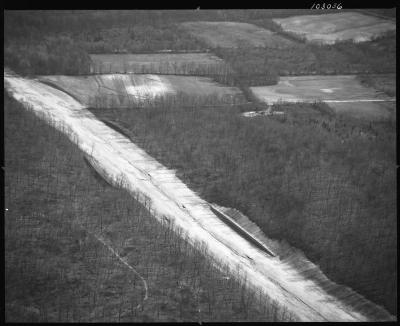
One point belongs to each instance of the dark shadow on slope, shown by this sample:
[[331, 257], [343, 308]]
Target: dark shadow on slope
[[98, 176], [116, 127], [54, 85]]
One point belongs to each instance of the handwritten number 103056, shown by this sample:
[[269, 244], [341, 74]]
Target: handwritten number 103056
[[326, 6]]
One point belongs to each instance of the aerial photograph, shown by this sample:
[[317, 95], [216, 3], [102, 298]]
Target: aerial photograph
[[200, 165]]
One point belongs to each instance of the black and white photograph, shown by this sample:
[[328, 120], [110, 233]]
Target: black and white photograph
[[200, 165]]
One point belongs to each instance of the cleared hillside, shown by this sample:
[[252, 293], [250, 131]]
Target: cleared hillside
[[131, 90]]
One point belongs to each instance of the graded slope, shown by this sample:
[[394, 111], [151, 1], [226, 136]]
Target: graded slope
[[330, 28], [167, 197], [345, 94]]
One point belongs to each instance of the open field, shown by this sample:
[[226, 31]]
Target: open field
[[234, 34], [156, 63], [127, 90], [345, 94], [330, 28]]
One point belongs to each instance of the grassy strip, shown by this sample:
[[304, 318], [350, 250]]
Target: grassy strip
[[56, 269], [324, 183]]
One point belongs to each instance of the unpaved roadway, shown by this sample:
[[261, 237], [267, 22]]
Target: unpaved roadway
[[172, 199]]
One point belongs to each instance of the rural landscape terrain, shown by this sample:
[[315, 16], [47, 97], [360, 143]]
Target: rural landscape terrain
[[200, 165]]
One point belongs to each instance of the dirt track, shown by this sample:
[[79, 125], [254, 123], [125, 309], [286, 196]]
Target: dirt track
[[169, 197]]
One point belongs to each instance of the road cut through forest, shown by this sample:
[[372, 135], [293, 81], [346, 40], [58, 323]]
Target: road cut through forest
[[166, 196]]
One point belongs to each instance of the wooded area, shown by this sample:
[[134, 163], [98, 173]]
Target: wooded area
[[58, 270], [327, 186], [324, 182]]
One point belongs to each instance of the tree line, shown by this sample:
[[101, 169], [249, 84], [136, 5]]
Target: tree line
[[50, 55]]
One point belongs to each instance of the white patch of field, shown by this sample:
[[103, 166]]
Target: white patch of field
[[329, 90], [155, 86], [252, 114], [118, 89], [150, 86], [286, 82], [233, 34], [330, 28], [125, 90], [343, 93]]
